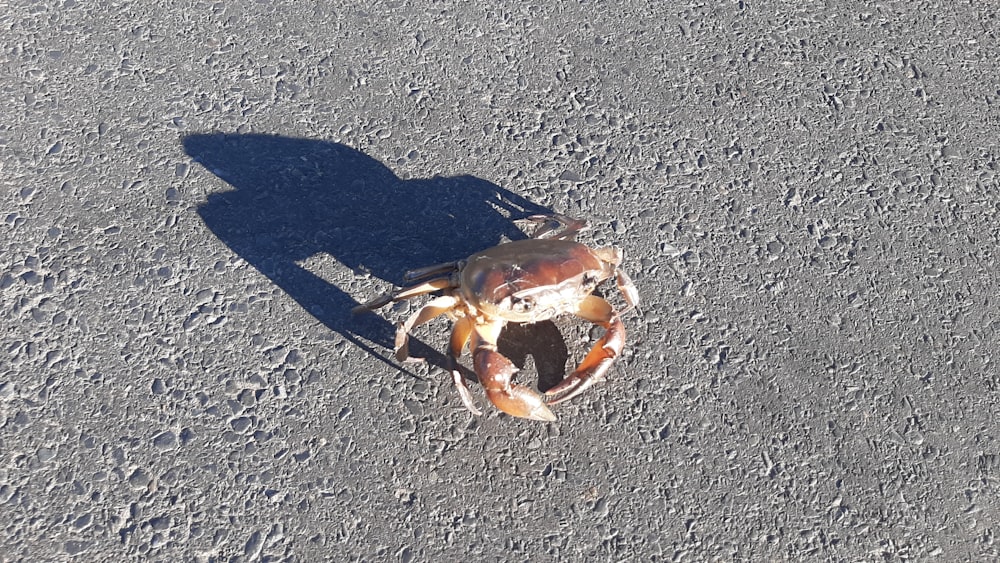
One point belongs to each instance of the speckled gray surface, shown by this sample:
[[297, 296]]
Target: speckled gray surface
[[194, 196]]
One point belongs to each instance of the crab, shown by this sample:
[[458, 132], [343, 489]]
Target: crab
[[523, 281]]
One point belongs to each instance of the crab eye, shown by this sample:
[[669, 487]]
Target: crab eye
[[522, 305]]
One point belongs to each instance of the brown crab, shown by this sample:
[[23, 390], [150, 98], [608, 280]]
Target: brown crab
[[523, 281]]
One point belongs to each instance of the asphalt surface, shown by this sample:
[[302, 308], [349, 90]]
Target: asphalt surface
[[195, 195]]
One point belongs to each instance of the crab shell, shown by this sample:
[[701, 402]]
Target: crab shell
[[534, 280]]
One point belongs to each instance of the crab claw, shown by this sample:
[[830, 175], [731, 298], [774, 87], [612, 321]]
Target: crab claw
[[600, 357], [495, 373]]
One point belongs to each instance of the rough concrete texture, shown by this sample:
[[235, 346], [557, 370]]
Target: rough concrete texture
[[196, 193]]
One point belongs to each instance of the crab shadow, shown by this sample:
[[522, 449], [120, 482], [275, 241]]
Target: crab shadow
[[297, 202]]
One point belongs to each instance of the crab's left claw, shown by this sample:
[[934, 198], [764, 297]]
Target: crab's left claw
[[496, 373], [600, 357]]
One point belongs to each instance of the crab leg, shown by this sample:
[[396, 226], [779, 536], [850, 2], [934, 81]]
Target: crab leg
[[459, 336], [600, 357], [428, 271], [549, 224], [433, 308], [496, 373], [405, 293], [628, 290]]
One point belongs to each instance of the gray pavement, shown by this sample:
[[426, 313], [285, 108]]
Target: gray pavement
[[195, 195]]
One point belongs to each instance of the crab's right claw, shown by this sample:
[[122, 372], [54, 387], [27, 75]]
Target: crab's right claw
[[495, 373]]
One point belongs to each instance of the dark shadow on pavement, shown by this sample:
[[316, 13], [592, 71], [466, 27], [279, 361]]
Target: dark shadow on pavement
[[544, 343], [296, 198]]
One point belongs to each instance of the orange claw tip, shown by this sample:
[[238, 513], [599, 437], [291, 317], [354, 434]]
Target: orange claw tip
[[541, 413], [538, 412], [521, 402], [545, 416], [566, 387]]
